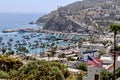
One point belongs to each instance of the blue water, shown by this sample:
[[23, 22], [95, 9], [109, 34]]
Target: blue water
[[17, 21]]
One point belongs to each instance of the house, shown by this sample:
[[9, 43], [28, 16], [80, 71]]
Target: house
[[92, 45], [93, 73]]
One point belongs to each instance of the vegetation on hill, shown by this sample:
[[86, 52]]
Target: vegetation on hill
[[82, 15]]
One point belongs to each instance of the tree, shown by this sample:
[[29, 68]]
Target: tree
[[53, 49], [42, 46], [10, 52], [3, 75], [8, 63], [82, 66], [66, 73], [80, 41], [101, 52], [117, 72], [68, 46], [105, 75], [61, 55], [12, 73], [80, 76], [48, 55], [115, 27], [41, 70], [36, 70], [4, 50], [56, 73], [22, 49]]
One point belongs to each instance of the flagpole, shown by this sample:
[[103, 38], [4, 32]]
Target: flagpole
[[87, 65]]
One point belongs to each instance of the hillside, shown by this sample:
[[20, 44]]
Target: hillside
[[82, 16]]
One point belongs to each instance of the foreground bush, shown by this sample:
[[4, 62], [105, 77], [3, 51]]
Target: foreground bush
[[13, 69], [41, 70], [8, 63], [3, 75]]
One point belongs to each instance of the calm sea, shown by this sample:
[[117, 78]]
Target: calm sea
[[17, 20]]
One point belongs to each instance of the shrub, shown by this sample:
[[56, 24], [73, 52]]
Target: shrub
[[82, 66], [3, 75], [71, 59], [66, 73], [105, 75]]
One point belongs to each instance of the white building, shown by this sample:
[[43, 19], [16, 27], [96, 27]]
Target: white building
[[91, 45], [93, 73]]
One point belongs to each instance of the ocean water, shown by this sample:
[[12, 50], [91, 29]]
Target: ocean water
[[17, 21]]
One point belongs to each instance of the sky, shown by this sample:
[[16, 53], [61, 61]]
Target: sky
[[31, 6]]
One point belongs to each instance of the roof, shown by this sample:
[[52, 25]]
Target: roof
[[91, 51], [106, 58], [118, 58], [73, 70]]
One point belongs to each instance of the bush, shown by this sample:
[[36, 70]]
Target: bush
[[43, 70], [12, 73], [66, 73], [105, 75], [82, 66], [37, 70], [71, 59], [56, 73], [79, 77], [117, 72], [9, 63], [29, 58], [3, 75]]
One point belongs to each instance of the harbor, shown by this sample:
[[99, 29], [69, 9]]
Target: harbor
[[52, 34], [38, 40]]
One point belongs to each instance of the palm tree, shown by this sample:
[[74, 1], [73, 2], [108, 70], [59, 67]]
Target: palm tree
[[80, 41], [115, 27], [23, 50], [48, 55], [61, 55], [68, 46], [4, 50], [10, 52], [53, 49]]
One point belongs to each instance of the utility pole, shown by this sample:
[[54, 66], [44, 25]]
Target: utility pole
[[114, 56]]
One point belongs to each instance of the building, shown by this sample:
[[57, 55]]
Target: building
[[93, 73], [92, 45]]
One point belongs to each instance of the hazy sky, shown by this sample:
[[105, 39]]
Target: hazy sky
[[31, 6]]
